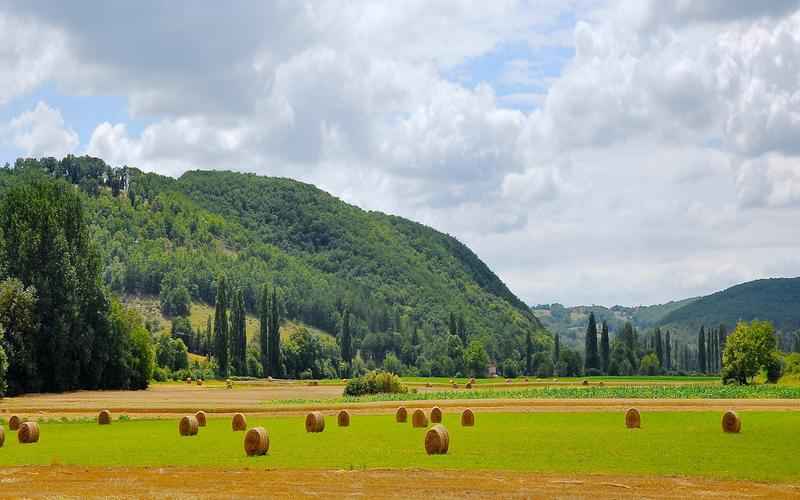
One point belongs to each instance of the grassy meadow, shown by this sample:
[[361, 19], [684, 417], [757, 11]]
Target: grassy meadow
[[687, 444]]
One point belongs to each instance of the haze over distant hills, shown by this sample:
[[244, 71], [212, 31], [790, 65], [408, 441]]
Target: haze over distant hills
[[775, 299]]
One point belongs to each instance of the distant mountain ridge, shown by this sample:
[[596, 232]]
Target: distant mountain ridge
[[773, 299]]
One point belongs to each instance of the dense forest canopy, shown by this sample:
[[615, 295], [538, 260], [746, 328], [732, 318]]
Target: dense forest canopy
[[402, 282]]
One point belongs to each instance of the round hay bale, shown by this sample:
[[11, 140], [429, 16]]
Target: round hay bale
[[731, 422], [468, 385], [428, 384], [239, 422], [632, 419], [585, 382], [28, 432], [269, 379], [188, 380], [419, 419], [455, 386], [436, 415], [2, 437], [508, 381], [14, 423], [256, 442], [472, 380], [201, 418], [315, 422], [188, 426], [401, 415], [199, 381], [344, 418], [468, 418], [451, 381], [104, 417], [526, 379], [437, 440]]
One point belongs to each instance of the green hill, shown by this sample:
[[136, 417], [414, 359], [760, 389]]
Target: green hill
[[159, 236], [776, 300]]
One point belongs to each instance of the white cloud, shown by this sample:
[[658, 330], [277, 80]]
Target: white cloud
[[42, 132]]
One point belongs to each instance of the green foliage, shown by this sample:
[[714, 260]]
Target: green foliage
[[131, 354], [221, 339], [18, 328], [392, 364], [543, 364], [3, 371], [569, 363], [476, 360], [650, 365], [171, 353], [749, 349], [375, 382], [591, 357], [511, 368]]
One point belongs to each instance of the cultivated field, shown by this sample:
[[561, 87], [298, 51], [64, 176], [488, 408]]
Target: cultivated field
[[519, 446]]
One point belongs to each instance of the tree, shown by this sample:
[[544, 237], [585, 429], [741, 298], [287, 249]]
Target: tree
[[649, 365], [659, 347], [346, 340], [453, 326], [529, 352], [668, 353], [702, 366], [462, 330], [543, 365], [476, 360], [605, 349], [592, 362], [263, 332], [751, 347], [18, 328], [569, 364], [557, 349], [221, 341], [3, 371], [238, 335], [275, 336]]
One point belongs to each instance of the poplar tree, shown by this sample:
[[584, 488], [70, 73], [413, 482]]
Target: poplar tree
[[263, 331], [605, 348], [529, 352], [668, 353], [347, 340], [659, 347], [221, 329], [274, 335], [591, 360], [701, 351], [238, 335]]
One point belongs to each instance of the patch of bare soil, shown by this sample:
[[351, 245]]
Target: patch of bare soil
[[83, 482]]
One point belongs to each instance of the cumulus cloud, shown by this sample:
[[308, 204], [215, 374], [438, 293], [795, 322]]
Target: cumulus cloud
[[42, 132]]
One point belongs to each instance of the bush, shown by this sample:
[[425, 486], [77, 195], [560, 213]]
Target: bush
[[649, 365], [374, 382], [392, 364], [161, 374], [774, 369]]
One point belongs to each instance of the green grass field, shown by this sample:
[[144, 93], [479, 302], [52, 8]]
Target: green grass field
[[686, 444], [623, 380]]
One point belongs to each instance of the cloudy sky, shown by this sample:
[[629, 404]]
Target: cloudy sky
[[590, 152]]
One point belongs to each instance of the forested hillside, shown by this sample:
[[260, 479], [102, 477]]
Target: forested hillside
[[409, 288]]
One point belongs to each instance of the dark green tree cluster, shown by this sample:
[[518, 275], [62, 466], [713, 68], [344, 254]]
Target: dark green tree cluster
[[59, 328]]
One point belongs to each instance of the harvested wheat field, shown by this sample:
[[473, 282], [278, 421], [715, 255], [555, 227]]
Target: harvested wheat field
[[82, 482]]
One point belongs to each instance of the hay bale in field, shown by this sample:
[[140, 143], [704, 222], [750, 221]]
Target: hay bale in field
[[437, 440], [632, 419], [28, 432], [343, 418], [104, 417], [436, 415], [419, 419], [315, 422], [468, 385], [14, 422], [508, 381], [585, 382], [428, 384], [199, 381], [472, 380], [451, 381], [2, 436], [201, 418], [313, 382], [455, 386], [239, 422], [188, 380], [467, 418], [401, 415], [188, 426], [269, 379], [256, 442], [731, 422]]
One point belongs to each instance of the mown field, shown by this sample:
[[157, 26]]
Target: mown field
[[686, 444]]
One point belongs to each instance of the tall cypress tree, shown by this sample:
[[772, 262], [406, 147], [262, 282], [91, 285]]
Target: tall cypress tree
[[668, 353], [659, 347], [605, 349], [347, 340], [263, 331], [529, 352], [701, 351], [557, 350], [275, 335], [221, 329], [591, 360], [238, 336]]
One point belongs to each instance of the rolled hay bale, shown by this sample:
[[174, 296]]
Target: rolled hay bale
[[451, 381], [2, 436], [731, 422], [455, 386], [526, 379], [188, 380], [188, 426], [472, 380], [419, 419], [313, 382], [436, 415], [199, 381], [239, 422], [468, 385], [256, 442], [315, 422], [585, 382], [467, 418], [508, 381], [269, 379], [343, 418], [632, 419], [104, 417], [14, 423], [428, 384], [437, 440], [201, 418], [28, 432], [401, 415]]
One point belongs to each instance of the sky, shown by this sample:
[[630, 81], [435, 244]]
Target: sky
[[590, 152]]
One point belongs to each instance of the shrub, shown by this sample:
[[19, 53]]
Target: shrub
[[649, 365], [774, 369], [374, 382], [392, 364]]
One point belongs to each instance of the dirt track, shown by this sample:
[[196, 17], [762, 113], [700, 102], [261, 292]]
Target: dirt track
[[170, 400], [61, 481]]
